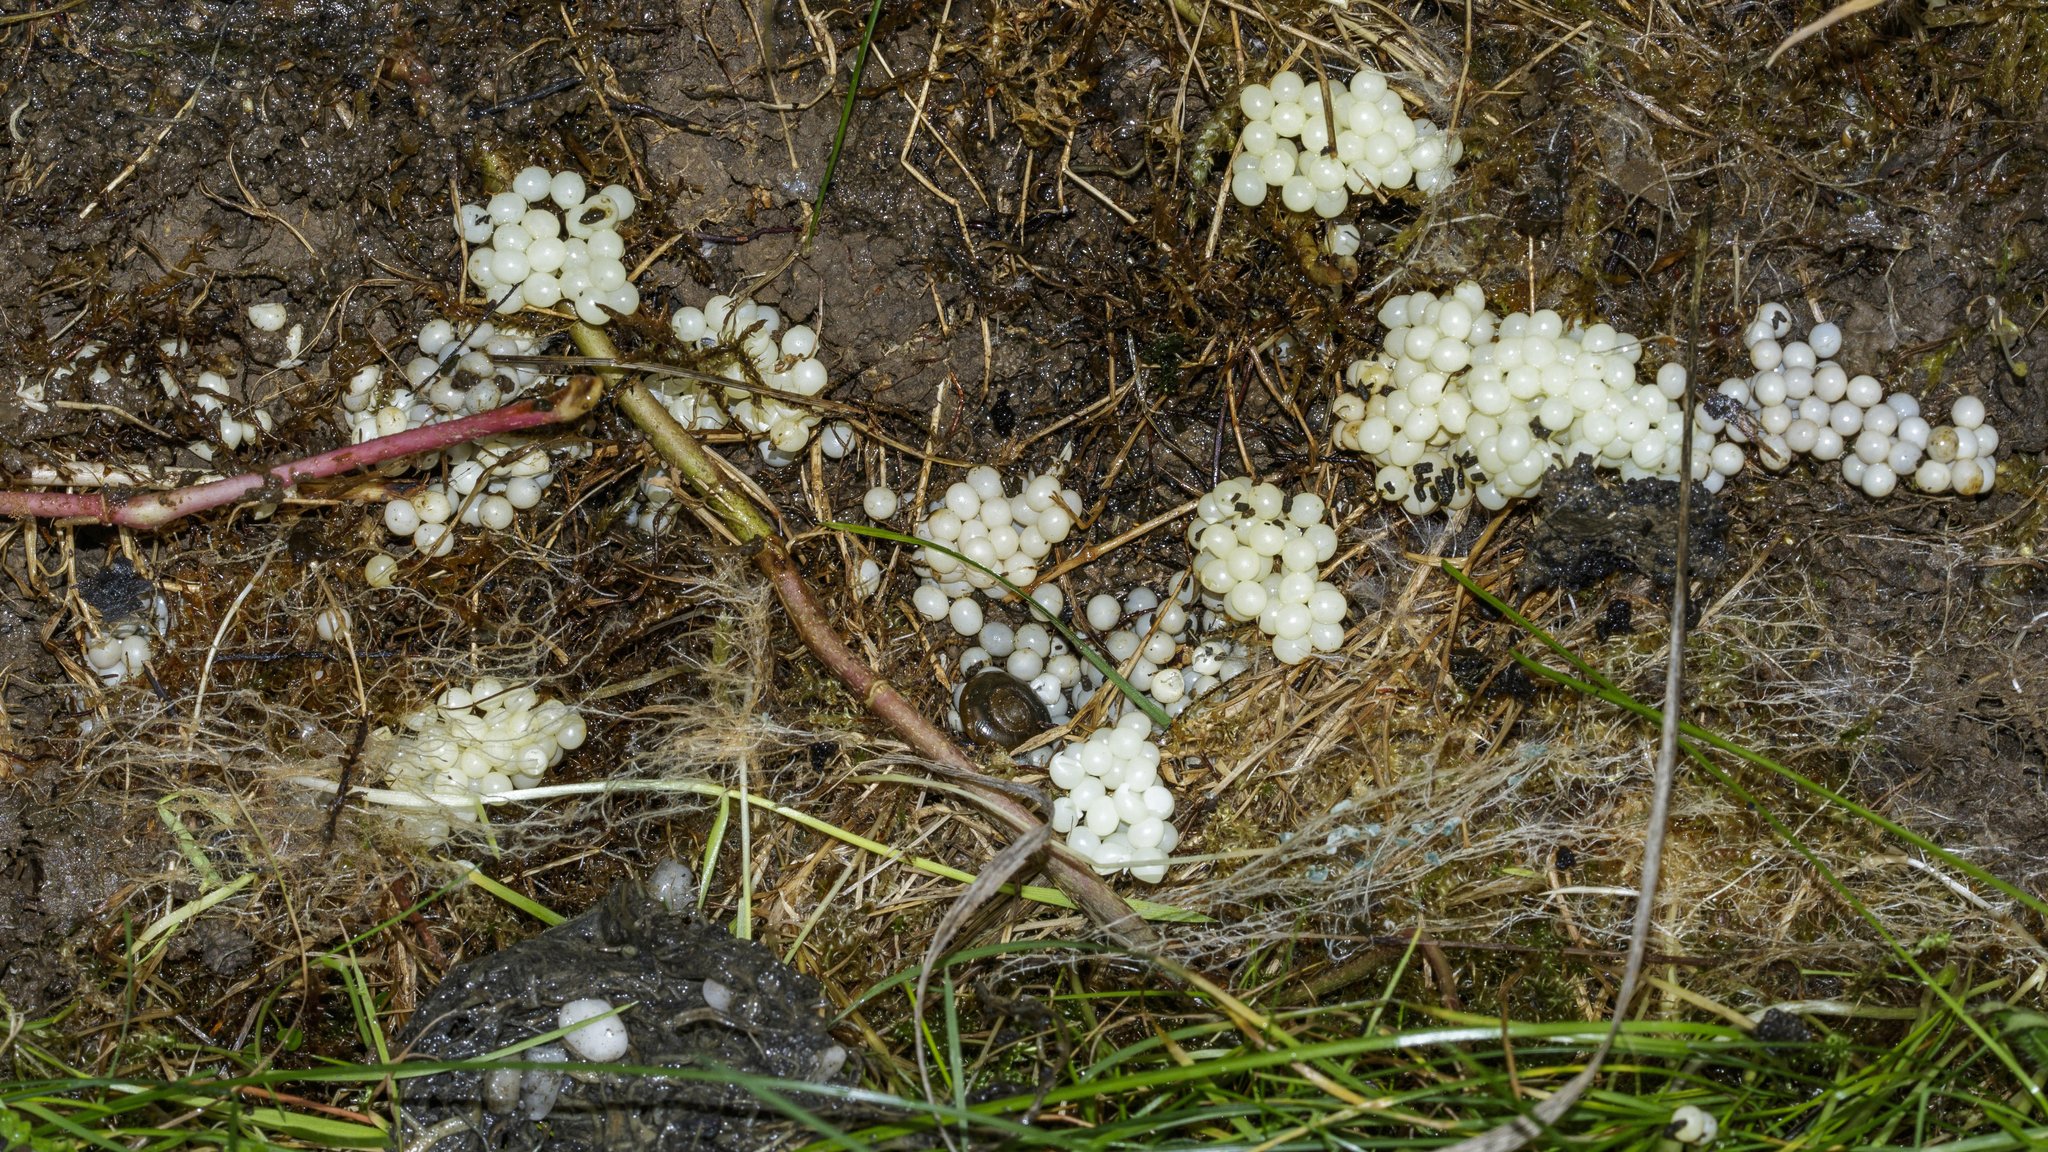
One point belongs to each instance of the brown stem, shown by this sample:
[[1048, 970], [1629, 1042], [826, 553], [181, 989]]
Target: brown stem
[[673, 442], [156, 509], [1090, 893]]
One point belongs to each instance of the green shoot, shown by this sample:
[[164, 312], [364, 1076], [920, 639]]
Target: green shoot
[[860, 66], [524, 903]]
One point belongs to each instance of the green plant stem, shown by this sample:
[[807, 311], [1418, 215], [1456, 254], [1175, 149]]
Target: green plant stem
[[694, 465], [860, 67], [682, 452]]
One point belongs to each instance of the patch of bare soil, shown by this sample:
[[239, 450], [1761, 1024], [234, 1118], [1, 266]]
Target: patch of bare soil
[[60, 867]]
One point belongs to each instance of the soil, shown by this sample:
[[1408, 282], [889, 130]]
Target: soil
[[168, 166], [1590, 527], [60, 865]]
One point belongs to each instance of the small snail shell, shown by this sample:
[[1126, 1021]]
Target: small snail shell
[[1000, 710]]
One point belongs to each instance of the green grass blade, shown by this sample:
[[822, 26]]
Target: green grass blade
[[67, 1125], [1526, 625], [170, 920], [423, 901], [834, 1136], [1803, 783], [860, 67], [526, 904], [362, 1001], [1841, 890], [1101, 662], [713, 841], [1785, 833], [1598, 685], [319, 1131]]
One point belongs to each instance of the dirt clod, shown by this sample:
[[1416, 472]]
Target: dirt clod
[[694, 998], [1778, 1026], [1589, 527]]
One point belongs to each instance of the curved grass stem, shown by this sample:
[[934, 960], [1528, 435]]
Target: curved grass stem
[[415, 802]]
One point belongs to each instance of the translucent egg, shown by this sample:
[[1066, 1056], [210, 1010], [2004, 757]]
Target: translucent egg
[[1298, 193], [532, 183], [1255, 101], [1826, 339], [473, 223], [506, 207], [1967, 412]]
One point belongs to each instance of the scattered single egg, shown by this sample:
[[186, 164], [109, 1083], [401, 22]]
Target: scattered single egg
[[879, 503], [602, 1039], [1692, 1125]]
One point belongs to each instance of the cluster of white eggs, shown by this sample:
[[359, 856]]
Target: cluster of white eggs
[[1153, 639], [434, 379], [482, 740], [1801, 401], [486, 482], [433, 389], [489, 482], [210, 392], [210, 395], [1462, 405], [1007, 532], [1144, 635], [122, 646], [1034, 656], [1691, 1124], [33, 391], [120, 654], [753, 354], [1287, 143], [1114, 810], [737, 339], [237, 424], [1257, 556], [547, 240]]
